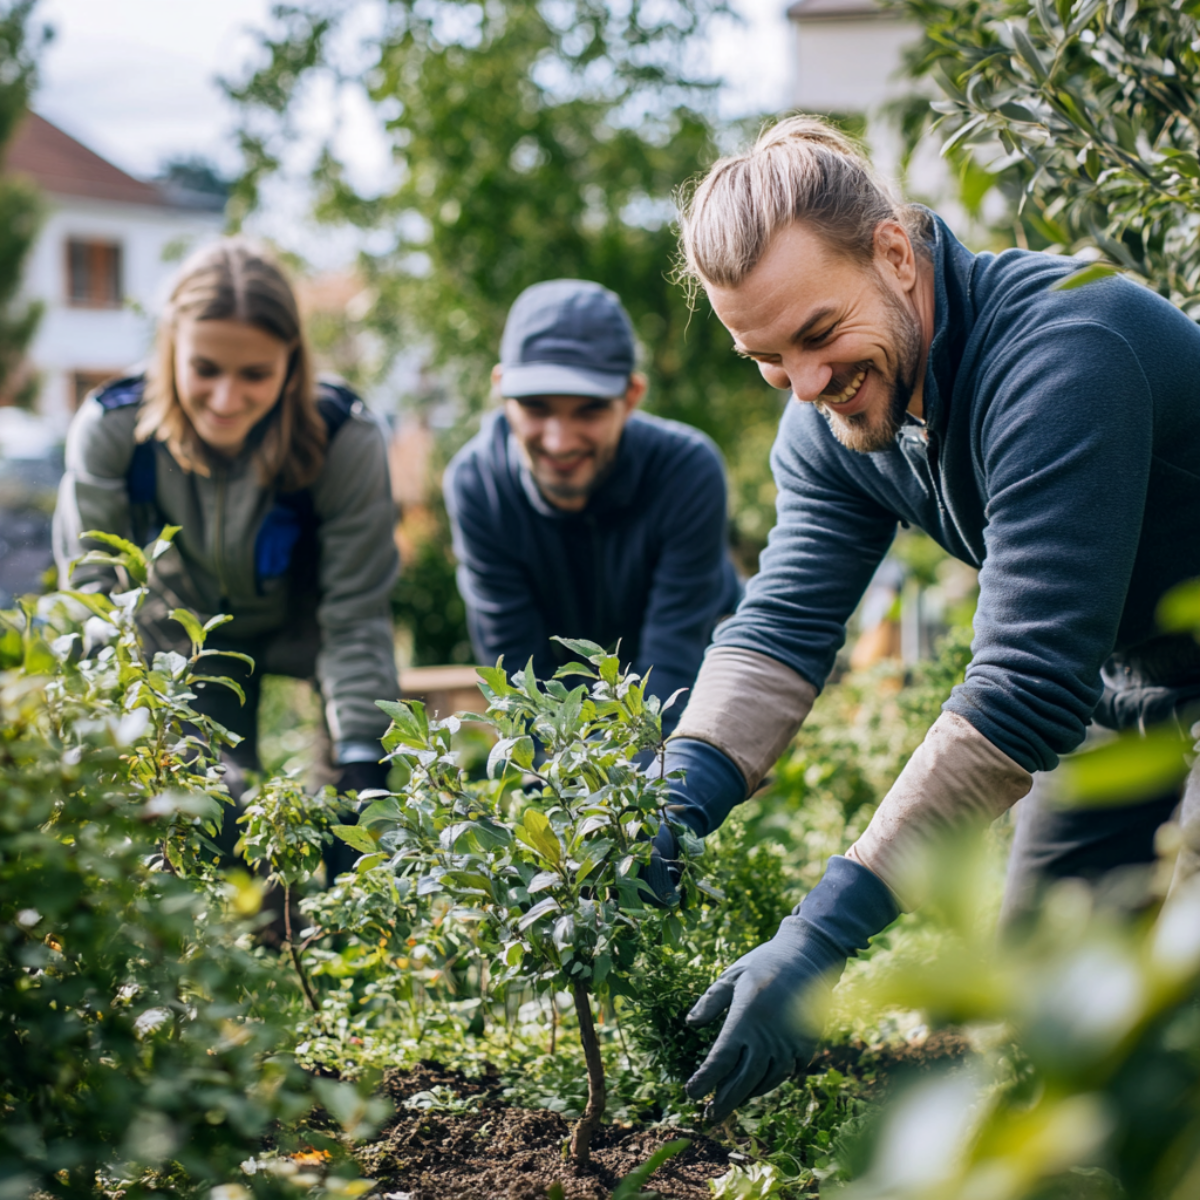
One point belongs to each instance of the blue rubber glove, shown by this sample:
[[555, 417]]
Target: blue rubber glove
[[772, 1027], [702, 800]]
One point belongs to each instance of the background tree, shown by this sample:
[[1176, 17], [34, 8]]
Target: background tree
[[532, 142], [21, 40], [1086, 112]]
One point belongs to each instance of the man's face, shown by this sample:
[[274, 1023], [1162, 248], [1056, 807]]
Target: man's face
[[842, 335], [570, 442]]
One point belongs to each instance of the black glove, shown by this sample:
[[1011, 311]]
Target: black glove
[[711, 787], [340, 856], [771, 1030], [362, 777]]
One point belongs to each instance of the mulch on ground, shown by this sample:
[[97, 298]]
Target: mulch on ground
[[499, 1152], [506, 1153]]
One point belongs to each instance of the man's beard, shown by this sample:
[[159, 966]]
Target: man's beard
[[871, 431], [553, 490]]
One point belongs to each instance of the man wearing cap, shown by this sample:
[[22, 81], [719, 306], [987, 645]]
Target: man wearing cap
[[575, 515]]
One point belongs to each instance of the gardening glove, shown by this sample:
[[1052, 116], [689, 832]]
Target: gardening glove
[[772, 992], [701, 800], [362, 776]]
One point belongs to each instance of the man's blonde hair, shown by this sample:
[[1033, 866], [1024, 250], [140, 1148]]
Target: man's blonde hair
[[235, 280], [801, 169]]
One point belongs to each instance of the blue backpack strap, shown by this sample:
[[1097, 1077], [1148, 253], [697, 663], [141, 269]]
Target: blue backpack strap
[[337, 403], [294, 517], [121, 393], [140, 476]]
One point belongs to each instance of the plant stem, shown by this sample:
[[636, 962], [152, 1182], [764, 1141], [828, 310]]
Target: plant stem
[[553, 1023], [305, 986], [581, 1138]]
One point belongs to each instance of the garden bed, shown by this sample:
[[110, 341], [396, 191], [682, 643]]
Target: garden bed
[[494, 1151]]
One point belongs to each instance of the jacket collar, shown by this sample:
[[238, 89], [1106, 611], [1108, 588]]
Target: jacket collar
[[954, 317]]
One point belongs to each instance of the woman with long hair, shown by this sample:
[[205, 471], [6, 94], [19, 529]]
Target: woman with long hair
[[280, 487]]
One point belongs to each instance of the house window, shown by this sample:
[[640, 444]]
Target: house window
[[93, 274], [83, 382]]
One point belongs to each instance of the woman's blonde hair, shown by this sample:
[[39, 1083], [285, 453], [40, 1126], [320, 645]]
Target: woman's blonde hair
[[235, 280], [801, 169]]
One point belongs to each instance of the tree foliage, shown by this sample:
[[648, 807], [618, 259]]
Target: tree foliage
[[531, 141], [20, 201], [1088, 112]]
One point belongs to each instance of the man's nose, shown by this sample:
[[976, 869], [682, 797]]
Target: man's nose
[[558, 437], [808, 375]]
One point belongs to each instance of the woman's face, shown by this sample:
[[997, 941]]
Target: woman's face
[[229, 376]]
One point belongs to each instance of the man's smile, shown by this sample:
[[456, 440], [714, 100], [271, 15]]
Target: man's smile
[[845, 395]]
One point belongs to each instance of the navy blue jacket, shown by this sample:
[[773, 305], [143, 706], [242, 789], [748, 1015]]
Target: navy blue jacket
[[1062, 459], [645, 562]]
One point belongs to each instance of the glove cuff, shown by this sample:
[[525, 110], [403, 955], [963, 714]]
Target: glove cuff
[[714, 785], [849, 906]]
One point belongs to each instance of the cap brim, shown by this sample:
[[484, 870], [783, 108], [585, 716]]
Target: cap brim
[[555, 379]]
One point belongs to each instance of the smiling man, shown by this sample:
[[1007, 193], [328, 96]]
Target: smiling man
[[576, 516], [1049, 437]]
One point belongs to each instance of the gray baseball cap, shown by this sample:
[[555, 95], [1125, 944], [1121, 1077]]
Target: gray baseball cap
[[566, 337]]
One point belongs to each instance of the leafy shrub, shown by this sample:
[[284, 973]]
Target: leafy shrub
[[141, 1036], [549, 873]]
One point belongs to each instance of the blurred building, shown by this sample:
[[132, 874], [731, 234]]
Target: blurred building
[[105, 251], [849, 60]]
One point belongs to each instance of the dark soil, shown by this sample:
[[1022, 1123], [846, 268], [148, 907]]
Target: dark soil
[[503, 1153]]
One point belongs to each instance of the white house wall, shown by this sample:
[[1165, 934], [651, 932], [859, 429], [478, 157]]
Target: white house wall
[[73, 338], [848, 66]]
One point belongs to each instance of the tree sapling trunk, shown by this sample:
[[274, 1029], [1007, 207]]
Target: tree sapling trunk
[[581, 1138]]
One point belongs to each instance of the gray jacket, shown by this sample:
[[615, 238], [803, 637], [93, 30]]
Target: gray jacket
[[216, 564]]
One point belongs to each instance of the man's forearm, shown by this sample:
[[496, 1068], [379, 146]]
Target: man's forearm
[[748, 706], [955, 779]]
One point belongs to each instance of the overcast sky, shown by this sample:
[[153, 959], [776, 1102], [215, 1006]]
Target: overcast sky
[[135, 79]]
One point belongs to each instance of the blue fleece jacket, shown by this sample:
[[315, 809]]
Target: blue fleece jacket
[[645, 562], [1061, 456]]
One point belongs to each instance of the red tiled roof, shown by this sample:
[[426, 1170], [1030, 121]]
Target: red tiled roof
[[65, 167]]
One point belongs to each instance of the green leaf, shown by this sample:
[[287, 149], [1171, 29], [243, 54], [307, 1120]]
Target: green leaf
[[357, 836], [1130, 768], [217, 621], [535, 831], [195, 631], [95, 602], [1028, 53], [539, 910], [543, 880], [563, 934], [224, 681], [237, 654], [575, 668], [1089, 274], [163, 542], [589, 650]]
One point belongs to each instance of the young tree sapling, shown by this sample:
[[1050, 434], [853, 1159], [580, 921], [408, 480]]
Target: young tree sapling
[[550, 869]]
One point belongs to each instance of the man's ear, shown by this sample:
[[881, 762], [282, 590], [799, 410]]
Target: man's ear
[[497, 376], [636, 391], [894, 253]]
